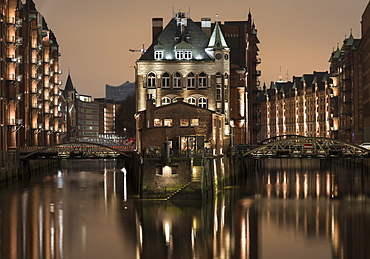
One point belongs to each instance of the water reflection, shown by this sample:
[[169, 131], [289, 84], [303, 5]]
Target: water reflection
[[291, 208]]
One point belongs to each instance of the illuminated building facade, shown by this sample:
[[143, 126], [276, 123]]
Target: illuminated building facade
[[211, 65], [298, 107], [31, 105], [347, 92], [89, 119], [245, 116], [183, 63], [321, 104]]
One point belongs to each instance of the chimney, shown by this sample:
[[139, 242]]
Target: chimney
[[157, 27], [206, 26], [149, 112]]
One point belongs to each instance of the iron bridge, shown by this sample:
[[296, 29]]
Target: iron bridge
[[76, 150], [299, 146]]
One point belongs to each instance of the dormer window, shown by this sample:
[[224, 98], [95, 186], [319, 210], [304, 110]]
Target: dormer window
[[184, 54], [187, 54], [158, 54], [179, 54]]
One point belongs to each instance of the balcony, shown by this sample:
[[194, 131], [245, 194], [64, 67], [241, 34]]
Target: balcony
[[15, 122], [258, 73], [258, 60]]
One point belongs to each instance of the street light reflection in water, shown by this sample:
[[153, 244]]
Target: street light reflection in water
[[286, 210]]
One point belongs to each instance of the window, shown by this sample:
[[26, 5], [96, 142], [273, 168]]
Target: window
[[194, 122], [184, 123], [225, 94], [167, 122], [157, 122], [166, 100], [166, 80], [179, 54], [202, 102], [191, 80], [202, 80], [192, 100], [218, 92], [187, 54], [158, 54], [174, 99], [151, 80], [177, 80], [184, 54]]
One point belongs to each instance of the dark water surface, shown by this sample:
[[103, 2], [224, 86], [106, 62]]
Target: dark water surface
[[287, 208]]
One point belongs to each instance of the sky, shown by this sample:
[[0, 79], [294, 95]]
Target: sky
[[296, 36]]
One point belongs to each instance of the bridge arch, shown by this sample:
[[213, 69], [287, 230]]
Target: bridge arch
[[76, 149], [299, 146]]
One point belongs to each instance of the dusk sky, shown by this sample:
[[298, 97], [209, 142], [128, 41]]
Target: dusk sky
[[296, 36]]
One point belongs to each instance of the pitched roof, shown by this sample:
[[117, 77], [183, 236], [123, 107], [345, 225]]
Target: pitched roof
[[69, 84], [217, 40], [176, 36]]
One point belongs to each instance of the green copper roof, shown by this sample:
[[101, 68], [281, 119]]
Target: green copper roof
[[183, 45], [158, 47], [217, 40], [350, 40]]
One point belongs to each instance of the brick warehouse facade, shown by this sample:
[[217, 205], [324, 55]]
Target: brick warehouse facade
[[31, 104], [194, 62], [188, 127]]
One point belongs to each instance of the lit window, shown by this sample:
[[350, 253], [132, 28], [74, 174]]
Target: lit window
[[202, 80], [167, 122], [179, 54], [177, 80], [218, 92], [166, 100], [192, 100], [187, 54], [157, 122], [191, 80], [166, 80], [151, 80], [194, 122], [202, 102], [158, 54], [184, 123]]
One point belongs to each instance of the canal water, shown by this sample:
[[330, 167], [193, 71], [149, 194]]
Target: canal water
[[284, 208]]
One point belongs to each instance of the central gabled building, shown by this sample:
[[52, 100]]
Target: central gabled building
[[184, 63]]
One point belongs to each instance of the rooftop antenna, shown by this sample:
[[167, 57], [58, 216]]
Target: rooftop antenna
[[280, 77], [287, 75]]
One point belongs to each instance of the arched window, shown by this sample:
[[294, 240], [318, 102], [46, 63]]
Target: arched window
[[202, 80], [218, 78], [202, 102], [192, 100], [174, 100], [165, 80], [166, 100], [151, 80], [177, 80], [191, 80]]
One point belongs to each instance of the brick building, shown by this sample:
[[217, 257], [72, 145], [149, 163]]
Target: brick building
[[365, 57], [189, 128], [31, 107], [207, 65]]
